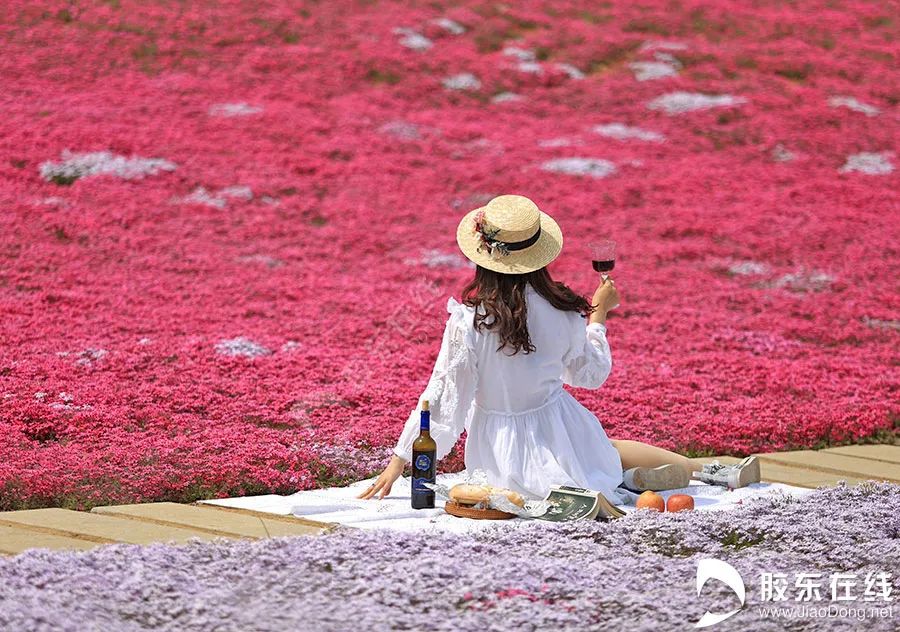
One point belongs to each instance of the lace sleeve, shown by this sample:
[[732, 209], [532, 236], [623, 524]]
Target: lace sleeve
[[450, 390], [588, 362]]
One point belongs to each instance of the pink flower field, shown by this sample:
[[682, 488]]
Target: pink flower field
[[227, 229]]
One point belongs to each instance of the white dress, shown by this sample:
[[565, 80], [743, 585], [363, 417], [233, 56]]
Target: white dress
[[523, 428]]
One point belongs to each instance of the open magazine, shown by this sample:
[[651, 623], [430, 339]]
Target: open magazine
[[576, 503]]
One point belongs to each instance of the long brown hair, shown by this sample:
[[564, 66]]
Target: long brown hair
[[503, 297]]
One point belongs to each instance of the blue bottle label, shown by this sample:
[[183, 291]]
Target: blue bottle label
[[423, 462], [419, 485]]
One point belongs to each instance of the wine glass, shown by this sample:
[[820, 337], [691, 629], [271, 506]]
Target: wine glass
[[603, 256]]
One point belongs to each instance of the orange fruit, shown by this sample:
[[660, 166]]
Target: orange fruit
[[680, 502], [651, 500]]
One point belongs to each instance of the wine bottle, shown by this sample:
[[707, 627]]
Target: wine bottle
[[423, 462]]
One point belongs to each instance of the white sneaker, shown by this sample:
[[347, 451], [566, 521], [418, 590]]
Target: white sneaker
[[670, 476], [739, 474]]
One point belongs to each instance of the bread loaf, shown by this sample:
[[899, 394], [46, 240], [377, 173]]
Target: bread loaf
[[466, 494]]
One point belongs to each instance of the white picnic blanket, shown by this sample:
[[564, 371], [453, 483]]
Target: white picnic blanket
[[340, 505]]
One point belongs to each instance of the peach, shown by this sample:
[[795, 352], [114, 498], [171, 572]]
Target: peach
[[651, 500], [680, 502]]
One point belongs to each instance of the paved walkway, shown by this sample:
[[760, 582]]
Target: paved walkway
[[173, 522]]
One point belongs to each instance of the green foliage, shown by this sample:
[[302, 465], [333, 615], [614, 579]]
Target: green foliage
[[63, 180], [795, 72], [646, 26], [741, 540], [613, 57], [388, 77]]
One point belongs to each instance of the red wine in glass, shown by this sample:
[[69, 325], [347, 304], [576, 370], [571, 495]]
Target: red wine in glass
[[603, 256]]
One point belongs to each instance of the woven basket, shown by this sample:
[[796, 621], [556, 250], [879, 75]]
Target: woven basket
[[461, 511]]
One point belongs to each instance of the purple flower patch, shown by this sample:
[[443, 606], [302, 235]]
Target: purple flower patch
[[636, 573]]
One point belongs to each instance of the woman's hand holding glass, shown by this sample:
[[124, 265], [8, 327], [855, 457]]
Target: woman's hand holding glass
[[606, 297]]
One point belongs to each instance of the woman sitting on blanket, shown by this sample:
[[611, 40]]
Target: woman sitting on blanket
[[506, 352]]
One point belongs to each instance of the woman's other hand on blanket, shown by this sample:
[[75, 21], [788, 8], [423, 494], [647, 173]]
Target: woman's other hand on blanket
[[386, 479], [606, 297]]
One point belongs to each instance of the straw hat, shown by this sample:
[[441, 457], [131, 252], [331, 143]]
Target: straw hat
[[510, 235]]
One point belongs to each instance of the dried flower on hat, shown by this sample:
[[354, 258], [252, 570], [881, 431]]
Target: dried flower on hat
[[494, 247]]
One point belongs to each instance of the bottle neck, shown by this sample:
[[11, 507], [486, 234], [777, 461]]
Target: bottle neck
[[425, 421]]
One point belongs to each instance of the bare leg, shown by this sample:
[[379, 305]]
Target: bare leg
[[637, 454]]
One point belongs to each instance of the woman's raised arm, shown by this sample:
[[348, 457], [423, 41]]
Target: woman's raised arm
[[588, 361]]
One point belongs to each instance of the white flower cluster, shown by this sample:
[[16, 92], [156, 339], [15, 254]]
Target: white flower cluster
[[505, 97], [234, 109], [620, 131], [81, 165], [463, 81], [241, 346], [528, 62], [680, 102], [649, 70], [451, 26], [201, 195], [413, 40], [747, 268], [854, 104], [871, 163], [592, 167]]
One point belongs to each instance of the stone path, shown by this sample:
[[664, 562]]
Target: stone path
[[142, 524], [173, 522]]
